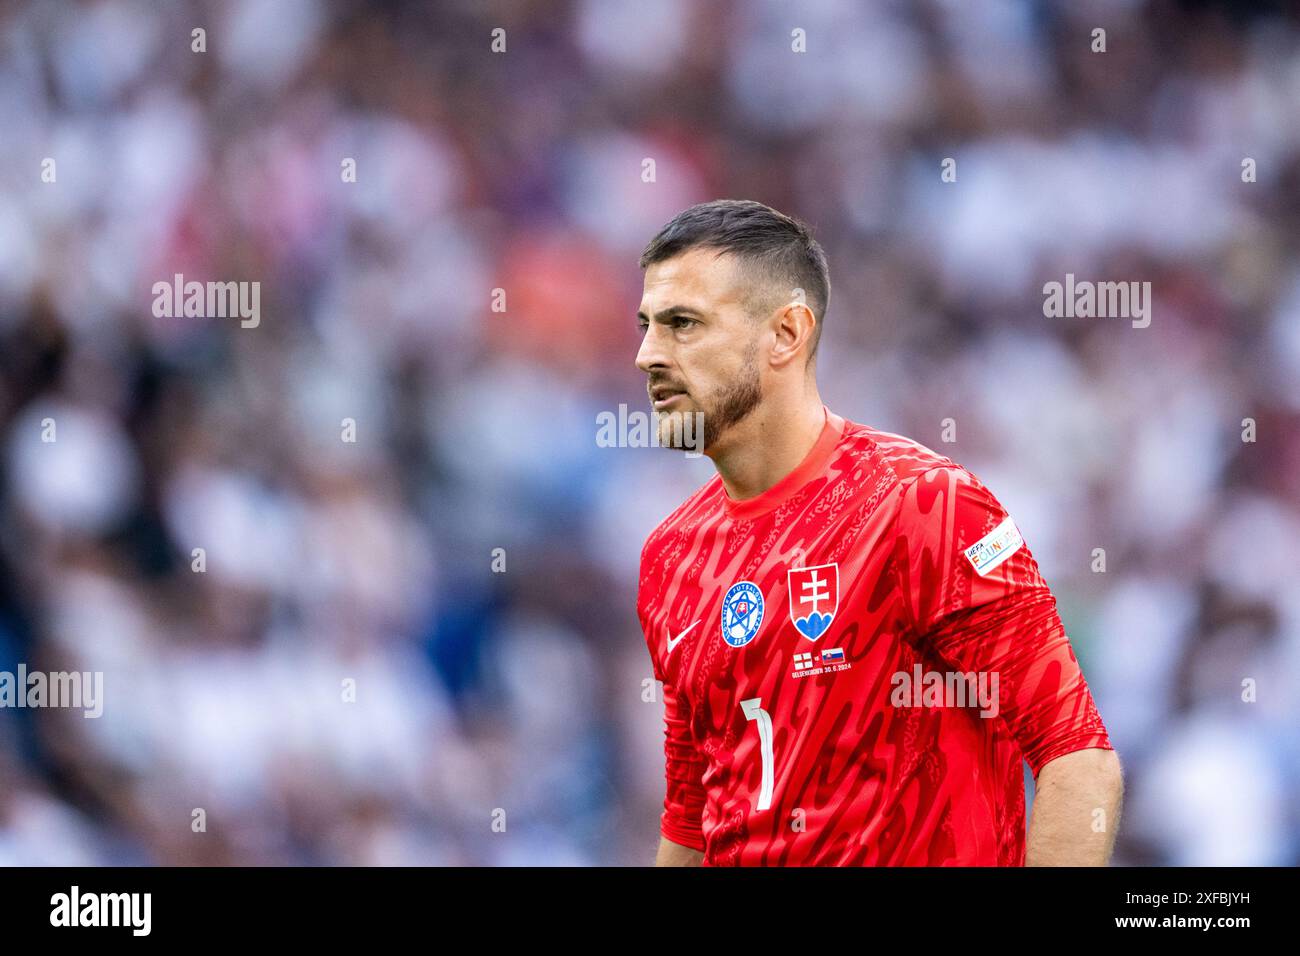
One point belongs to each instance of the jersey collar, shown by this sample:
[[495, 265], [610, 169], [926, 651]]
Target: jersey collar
[[808, 469]]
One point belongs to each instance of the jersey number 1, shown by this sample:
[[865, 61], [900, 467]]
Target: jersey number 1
[[753, 709]]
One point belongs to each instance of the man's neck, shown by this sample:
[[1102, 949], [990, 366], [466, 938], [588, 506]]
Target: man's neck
[[768, 445]]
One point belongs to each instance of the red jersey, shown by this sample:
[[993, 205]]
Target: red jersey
[[854, 664]]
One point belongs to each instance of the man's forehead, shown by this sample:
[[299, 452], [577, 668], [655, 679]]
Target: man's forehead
[[701, 278]]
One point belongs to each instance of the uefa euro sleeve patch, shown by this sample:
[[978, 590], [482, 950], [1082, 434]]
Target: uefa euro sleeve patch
[[995, 547]]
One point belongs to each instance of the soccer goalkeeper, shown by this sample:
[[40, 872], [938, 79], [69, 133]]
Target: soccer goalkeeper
[[819, 609]]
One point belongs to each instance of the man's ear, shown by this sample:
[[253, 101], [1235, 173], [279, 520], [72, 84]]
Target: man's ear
[[794, 331]]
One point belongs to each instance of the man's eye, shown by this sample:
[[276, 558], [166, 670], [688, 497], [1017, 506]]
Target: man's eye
[[681, 322]]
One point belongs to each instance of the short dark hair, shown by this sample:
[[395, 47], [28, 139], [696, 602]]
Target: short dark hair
[[773, 248]]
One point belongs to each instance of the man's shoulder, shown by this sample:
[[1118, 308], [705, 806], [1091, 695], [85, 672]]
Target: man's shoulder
[[897, 457], [927, 490], [699, 504]]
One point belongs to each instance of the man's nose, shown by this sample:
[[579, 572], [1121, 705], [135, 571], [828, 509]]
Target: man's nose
[[652, 353]]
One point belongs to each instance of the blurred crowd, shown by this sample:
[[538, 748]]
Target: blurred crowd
[[420, 646]]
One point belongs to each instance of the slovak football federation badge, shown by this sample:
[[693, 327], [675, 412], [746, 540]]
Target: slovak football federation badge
[[814, 598], [742, 613]]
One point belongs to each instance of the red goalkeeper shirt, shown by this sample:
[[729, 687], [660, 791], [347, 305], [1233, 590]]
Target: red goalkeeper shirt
[[854, 664]]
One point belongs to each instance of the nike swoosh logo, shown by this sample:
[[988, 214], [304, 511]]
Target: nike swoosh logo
[[673, 643]]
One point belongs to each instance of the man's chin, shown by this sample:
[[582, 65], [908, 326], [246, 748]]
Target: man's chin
[[681, 428]]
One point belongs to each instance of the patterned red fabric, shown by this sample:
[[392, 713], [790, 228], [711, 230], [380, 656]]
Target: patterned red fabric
[[856, 773]]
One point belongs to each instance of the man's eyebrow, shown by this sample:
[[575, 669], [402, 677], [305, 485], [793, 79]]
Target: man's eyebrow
[[670, 311]]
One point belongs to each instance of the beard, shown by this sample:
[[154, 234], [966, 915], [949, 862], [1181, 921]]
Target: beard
[[727, 407]]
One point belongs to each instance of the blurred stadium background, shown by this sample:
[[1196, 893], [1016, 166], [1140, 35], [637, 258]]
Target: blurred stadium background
[[476, 430]]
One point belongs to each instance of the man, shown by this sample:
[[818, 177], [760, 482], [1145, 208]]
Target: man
[[856, 647]]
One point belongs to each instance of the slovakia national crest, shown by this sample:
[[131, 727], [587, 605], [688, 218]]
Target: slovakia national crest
[[814, 598], [742, 613]]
